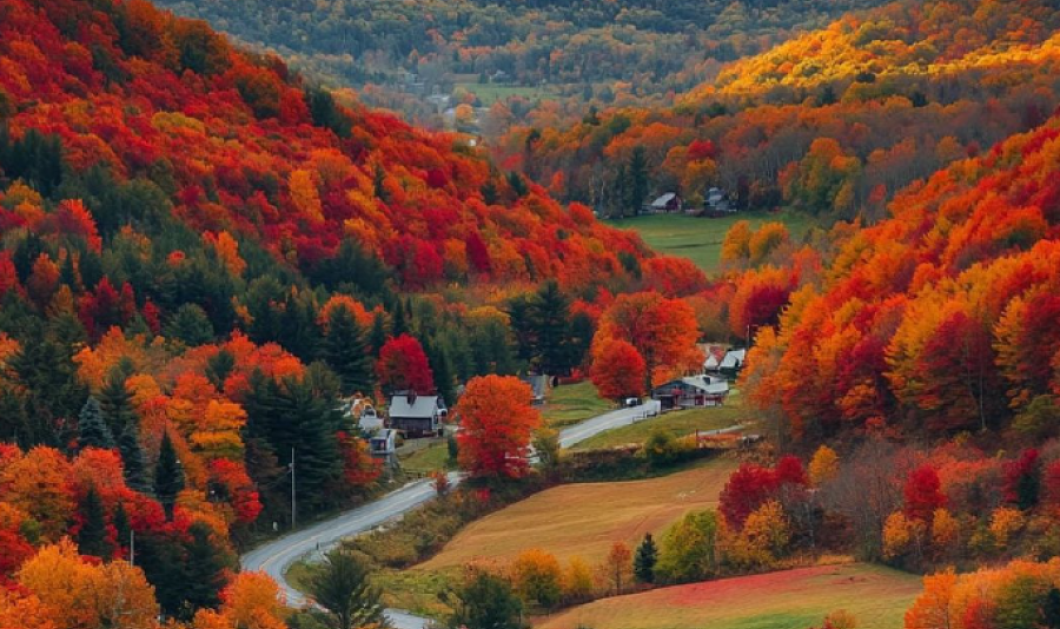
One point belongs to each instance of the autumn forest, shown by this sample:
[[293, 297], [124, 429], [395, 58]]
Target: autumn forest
[[223, 251]]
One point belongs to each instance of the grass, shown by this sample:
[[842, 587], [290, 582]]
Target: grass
[[428, 459], [573, 403], [699, 239], [792, 599], [679, 423], [584, 519]]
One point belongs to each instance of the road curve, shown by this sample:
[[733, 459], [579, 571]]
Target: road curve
[[275, 557]]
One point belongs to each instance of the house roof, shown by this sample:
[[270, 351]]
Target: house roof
[[710, 386], [734, 359], [664, 200], [425, 406]]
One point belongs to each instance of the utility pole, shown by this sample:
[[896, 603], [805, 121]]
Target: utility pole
[[132, 547], [294, 493]]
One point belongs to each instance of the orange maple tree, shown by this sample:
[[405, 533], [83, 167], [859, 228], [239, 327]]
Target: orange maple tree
[[497, 422]]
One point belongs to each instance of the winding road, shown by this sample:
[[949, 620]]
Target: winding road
[[275, 557]]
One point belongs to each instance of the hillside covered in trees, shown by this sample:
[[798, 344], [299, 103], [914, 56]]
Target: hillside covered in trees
[[589, 50], [202, 254], [832, 123]]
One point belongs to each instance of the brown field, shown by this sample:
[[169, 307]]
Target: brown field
[[791, 599], [585, 519]]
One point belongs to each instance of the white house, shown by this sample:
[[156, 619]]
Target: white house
[[417, 414]]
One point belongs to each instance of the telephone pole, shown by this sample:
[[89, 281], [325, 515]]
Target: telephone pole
[[294, 493], [132, 547]]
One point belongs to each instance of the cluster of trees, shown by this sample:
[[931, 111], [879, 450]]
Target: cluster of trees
[[202, 256], [59, 589], [648, 47], [833, 123], [1021, 594], [937, 321]]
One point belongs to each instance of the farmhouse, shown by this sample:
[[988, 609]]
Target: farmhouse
[[692, 392], [417, 414], [669, 202]]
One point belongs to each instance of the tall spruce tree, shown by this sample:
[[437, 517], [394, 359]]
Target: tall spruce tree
[[342, 588], [644, 561], [93, 430], [92, 537], [204, 569], [347, 353], [638, 180], [295, 415], [169, 476], [122, 526], [398, 324], [116, 402], [442, 369], [550, 315], [132, 457], [377, 339]]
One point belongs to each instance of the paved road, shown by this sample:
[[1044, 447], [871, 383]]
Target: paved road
[[577, 433], [278, 555]]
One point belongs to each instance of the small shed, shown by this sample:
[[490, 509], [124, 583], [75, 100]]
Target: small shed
[[417, 414], [383, 443], [539, 385]]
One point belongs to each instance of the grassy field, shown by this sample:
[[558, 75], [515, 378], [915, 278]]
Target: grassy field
[[793, 599], [699, 239], [584, 519], [572, 403], [433, 457], [679, 423]]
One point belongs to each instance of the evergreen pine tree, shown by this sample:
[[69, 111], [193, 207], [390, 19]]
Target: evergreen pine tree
[[204, 570], [132, 457], [550, 314], [398, 324], [343, 590], [644, 562], [169, 476], [219, 367], [122, 527], [377, 339], [1051, 609], [92, 538], [442, 369], [296, 415], [94, 432], [638, 180], [347, 353], [116, 402]]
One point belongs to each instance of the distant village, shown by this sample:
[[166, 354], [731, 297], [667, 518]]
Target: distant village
[[410, 416]]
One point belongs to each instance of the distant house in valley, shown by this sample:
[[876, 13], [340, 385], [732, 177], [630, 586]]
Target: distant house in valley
[[692, 392], [717, 203], [418, 415], [359, 411], [669, 202], [539, 384]]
